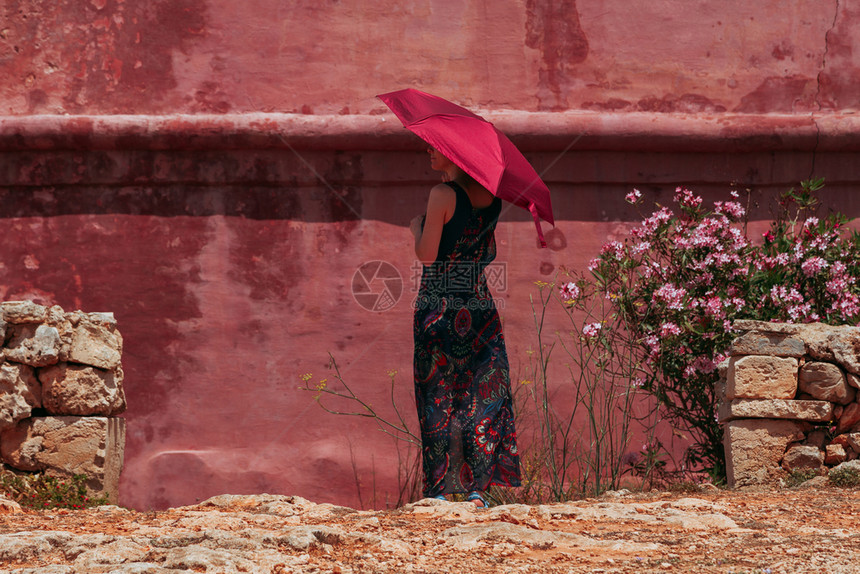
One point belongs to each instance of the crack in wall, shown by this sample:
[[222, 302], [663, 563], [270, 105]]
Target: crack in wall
[[818, 89]]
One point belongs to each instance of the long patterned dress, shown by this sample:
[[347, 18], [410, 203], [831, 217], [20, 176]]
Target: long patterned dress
[[462, 385]]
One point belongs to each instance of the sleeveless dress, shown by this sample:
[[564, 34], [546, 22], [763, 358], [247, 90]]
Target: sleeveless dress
[[462, 385]]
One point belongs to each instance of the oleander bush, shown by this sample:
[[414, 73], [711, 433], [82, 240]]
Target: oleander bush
[[683, 276]]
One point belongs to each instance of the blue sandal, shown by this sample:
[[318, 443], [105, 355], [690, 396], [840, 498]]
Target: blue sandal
[[475, 496]]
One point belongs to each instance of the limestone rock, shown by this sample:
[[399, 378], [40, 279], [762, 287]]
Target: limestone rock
[[816, 438], [812, 411], [34, 345], [23, 312], [755, 447], [826, 382], [853, 440], [763, 343], [817, 337], [70, 389], [8, 506], [849, 419], [841, 439], [799, 457], [19, 393], [815, 482], [760, 377], [846, 350], [747, 325], [66, 446], [98, 345], [471, 535], [834, 454]]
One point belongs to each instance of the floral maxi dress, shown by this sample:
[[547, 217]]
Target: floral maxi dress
[[462, 385]]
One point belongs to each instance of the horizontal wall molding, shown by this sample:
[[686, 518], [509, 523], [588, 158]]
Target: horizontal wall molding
[[539, 132]]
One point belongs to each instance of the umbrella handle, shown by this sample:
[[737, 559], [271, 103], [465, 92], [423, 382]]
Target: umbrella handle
[[536, 217]]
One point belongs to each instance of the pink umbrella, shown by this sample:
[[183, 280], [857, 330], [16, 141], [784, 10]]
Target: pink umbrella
[[477, 147]]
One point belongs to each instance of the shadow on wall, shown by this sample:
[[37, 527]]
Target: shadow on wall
[[391, 187]]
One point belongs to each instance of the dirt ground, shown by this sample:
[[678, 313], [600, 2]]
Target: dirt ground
[[754, 531]]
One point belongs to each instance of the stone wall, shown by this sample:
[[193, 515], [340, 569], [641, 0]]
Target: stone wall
[[790, 400], [60, 393]]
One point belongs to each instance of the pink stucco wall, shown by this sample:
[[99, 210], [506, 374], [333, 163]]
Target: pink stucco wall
[[215, 172], [332, 57]]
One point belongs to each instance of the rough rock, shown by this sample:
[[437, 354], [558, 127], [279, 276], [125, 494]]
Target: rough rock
[[760, 377], [746, 325], [761, 529], [834, 454], [799, 457], [818, 338], [826, 382], [23, 312], [812, 411], [755, 447], [34, 345], [469, 537], [19, 393], [816, 438], [98, 345], [853, 380], [846, 350], [70, 389], [849, 419], [816, 482], [853, 441], [9, 506], [763, 343], [66, 446]]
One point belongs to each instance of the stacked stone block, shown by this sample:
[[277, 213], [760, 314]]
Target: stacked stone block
[[790, 400], [60, 393]]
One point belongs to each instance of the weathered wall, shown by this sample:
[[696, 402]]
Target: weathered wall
[[226, 241], [213, 56]]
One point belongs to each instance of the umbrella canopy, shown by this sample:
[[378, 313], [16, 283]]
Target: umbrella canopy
[[477, 147]]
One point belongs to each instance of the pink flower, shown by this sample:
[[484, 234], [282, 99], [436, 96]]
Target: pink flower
[[668, 329], [813, 266], [673, 296], [732, 209], [641, 247], [714, 307], [686, 198], [650, 225], [633, 196], [569, 291], [591, 330], [614, 248]]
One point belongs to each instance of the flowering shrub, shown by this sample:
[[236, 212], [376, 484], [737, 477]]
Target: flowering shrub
[[43, 492], [682, 278]]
